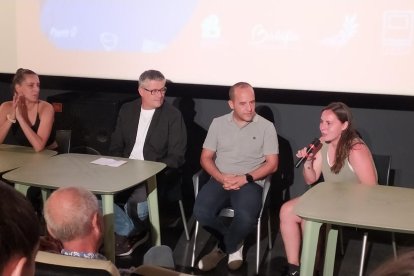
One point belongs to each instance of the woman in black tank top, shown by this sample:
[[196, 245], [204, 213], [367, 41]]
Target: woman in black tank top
[[26, 120]]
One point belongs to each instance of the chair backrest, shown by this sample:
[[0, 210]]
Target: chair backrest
[[56, 264], [383, 165], [63, 137], [85, 149]]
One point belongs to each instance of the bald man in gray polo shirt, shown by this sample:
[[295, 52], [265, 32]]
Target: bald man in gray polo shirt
[[240, 150]]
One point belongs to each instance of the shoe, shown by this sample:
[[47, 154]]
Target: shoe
[[236, 259], [210, 261], [124, 246], [292, 270]]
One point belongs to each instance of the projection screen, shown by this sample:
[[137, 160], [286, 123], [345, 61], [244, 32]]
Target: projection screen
[[363, 46]]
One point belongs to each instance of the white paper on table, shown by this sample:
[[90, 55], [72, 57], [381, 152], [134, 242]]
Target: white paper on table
[[108, 162]]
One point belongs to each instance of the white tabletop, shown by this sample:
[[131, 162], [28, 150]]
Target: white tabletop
[[374, 207], [350, 204], [12, 156], [73, 169]]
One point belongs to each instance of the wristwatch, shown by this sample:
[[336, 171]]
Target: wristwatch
[[249, 178]]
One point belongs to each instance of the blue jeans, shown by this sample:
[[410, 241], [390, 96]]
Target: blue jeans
[[124, 226], [246, 203]]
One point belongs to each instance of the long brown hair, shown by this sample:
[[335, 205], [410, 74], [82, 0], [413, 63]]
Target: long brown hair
[[349, 136]]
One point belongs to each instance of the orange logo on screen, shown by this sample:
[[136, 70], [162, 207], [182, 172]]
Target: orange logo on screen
[[57, 107]]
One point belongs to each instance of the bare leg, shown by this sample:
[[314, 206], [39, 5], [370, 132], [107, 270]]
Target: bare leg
[[290, 228]]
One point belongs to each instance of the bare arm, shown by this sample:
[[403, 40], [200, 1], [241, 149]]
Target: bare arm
[[361, 161], [5, 124], [38, 139], [313, 166], [234, 182], [208, 164], [268, 167]]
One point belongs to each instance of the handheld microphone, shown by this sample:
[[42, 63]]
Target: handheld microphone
[[315, 143]]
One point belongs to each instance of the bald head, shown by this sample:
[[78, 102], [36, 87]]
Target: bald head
[[69, 213]]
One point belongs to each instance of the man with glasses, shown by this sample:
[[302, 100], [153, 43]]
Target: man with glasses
[[148, 129]]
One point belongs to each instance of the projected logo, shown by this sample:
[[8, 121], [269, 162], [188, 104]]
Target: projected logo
[[111, 25], [280, 39], [210, 27], [345, 34], [397, 32]]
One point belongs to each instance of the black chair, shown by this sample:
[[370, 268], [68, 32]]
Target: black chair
[[51, 264], [383, 165], [201, 178], [173, 179], [85, 149], [63, 137]]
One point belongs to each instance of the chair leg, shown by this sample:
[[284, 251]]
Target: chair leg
[[269, 232], [258, 246], [341, 240], [184, 219], [194, 244], [394, 245], [364, 247]]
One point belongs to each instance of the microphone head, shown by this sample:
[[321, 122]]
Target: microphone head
[[316, 142]]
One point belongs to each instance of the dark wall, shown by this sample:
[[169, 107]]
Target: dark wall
[[384, 121]]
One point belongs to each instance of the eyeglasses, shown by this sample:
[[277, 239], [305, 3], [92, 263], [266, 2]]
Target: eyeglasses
[[156, 91]]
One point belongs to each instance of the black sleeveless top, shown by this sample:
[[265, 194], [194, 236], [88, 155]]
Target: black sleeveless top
[[16, 135]]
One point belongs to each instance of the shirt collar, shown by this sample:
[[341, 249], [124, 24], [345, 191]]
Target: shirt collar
[[230, 117], [85, 255]]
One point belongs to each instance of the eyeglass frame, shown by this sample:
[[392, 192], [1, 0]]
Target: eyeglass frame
[[161, 91]]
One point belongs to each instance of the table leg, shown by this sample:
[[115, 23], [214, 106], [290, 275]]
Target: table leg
[[108, 217], [310, 245], [45, 194], [154, 216], [21, 188], [330, 250]]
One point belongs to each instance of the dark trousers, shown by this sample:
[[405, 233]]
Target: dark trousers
[[246, 203]]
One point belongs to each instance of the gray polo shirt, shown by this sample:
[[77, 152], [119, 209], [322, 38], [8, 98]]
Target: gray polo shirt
[[241, 150]]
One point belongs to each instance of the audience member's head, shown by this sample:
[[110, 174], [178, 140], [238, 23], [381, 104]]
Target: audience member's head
[[72, 216], [403, 266], [19, 233]]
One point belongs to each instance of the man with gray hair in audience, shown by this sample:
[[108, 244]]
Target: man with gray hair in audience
[[73, 217]]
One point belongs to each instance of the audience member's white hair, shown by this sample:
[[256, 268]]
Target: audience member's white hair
[[71, 216]]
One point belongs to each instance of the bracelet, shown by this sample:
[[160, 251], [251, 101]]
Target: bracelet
[[13, 121]]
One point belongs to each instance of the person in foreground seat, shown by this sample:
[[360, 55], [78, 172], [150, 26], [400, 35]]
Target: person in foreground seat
[[19, 233], [240, 150], [343, 157], [72, 216]]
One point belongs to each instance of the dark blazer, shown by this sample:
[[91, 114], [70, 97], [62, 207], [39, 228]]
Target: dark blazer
[[166, 138]]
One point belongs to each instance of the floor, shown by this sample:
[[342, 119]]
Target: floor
[[272, 262]]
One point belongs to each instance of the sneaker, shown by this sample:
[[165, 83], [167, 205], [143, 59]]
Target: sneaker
[[124, 246], [236, 259], [292, 270], [210, 261]]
